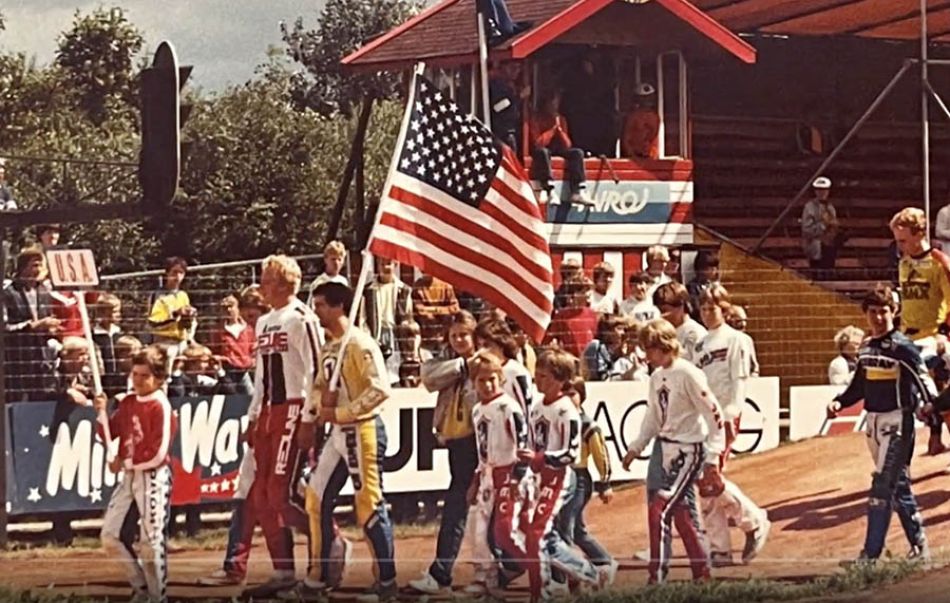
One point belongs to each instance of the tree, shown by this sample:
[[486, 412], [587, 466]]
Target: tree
[[343, 26], [97, 56], [261, 175]]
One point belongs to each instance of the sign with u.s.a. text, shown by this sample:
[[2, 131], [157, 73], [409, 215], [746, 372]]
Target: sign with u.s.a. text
[[56, 462]]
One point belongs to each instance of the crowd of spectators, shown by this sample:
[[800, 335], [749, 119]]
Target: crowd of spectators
[[212, 351]]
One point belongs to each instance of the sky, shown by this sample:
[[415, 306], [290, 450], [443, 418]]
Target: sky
[[223, 39]]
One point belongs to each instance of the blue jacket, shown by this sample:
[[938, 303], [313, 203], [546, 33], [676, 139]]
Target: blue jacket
[[891, 375]]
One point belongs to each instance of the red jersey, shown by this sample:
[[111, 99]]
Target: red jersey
[[237, 351], [574, 328], [144, 426], [66, 309]]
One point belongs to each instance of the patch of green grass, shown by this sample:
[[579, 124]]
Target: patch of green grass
[[855, 579]]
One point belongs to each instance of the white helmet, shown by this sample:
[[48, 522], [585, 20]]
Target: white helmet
[[645, 89], [821, 182]]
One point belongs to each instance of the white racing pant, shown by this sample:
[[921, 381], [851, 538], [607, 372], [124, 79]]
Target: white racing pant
[[732, 506], [150, 492]]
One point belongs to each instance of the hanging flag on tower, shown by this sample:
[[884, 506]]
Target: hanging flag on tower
[[458, 205]]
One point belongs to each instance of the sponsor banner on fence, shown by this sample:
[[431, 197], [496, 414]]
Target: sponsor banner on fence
[[58, 464], [807, 417]]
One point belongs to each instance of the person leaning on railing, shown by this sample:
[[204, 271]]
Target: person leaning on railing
[[30, 325]]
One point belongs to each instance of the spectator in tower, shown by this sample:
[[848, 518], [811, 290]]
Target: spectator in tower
[[574, 324], [234, 343], [30, 324], [820, 229], [639, 306], [334, 257], [641, 130], [602, 300], [737, 318], [550, 136], [387, 302], [942, 228], [842, 368], [433, 305], [172, 317], [707, 275], [506, 95], [658, 258], [7, 202], [589, 105], [499, 25]]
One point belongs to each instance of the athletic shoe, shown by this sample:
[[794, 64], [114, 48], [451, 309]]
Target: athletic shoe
[[221, 577], [302, 591], [341, 550], [273, 586], [720, 559], [380, 593], [755, 541], [920, 552], [612, 568], [581, 198], [862, 560], [427, 585]]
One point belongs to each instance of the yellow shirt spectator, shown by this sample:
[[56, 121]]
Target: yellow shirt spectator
[[165, 318]]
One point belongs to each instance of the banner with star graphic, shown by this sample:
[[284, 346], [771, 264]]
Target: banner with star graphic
[[57, 462]]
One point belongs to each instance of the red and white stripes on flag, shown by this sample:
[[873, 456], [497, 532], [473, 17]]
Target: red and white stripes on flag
[[458, 206]]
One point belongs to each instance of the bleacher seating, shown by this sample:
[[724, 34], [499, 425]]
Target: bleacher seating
[[748, 169]]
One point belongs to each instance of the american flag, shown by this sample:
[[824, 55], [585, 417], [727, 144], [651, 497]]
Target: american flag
[[459, 206]]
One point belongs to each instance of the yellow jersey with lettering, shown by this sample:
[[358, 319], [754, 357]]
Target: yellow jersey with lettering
[[925, 288], [364, 380]]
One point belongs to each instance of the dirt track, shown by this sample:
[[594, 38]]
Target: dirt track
[[814, 491]]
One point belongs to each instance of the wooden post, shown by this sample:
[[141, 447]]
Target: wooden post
[[355, 151], [4, 246]]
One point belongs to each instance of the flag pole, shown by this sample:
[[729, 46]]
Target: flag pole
[[367, 255], [483, 68]]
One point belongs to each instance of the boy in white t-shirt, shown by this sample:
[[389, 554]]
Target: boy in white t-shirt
[[723, 356], [602, 300], [672, 299], [638, 305]]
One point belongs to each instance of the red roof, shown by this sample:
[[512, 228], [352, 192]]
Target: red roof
[[890, 19], [445, 33]]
